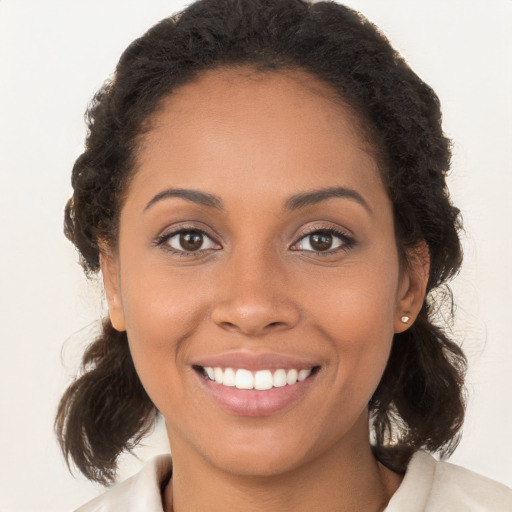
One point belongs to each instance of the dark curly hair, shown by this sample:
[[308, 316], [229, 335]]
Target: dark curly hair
[[419, 402]]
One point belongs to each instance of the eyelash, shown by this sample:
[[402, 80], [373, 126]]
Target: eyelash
[[347, 241], [162, 240]]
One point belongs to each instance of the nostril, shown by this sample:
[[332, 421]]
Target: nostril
[[229, 326], [233, 327], [254, 317]]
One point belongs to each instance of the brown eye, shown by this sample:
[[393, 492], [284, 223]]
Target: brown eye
[[191, 240], [320, 241], [323, 241]]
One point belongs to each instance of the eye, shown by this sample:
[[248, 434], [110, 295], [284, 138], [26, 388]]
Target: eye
[[188, 240], [323, 240]]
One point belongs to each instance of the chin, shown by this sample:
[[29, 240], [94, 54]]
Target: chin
[[259, 462]]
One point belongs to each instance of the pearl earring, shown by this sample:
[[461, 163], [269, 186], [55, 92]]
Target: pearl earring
[[405, 319]]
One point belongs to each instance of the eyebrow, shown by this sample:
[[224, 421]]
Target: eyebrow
[[316, 196], [295, 202], [190, 195]]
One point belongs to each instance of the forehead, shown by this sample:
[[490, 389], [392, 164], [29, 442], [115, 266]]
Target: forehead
[[249, 81], [282, 129], [229, 93]]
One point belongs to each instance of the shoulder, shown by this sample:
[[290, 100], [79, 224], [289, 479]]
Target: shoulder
[[464, 486], [430, 485], [142, 491]]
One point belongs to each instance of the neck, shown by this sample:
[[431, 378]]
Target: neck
[[346, 477]]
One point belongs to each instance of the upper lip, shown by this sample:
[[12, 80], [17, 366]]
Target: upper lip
[[255, 362]]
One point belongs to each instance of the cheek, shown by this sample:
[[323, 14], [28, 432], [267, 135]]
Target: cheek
[[162, 304], [356, 299], [162, 310], [355, 312]]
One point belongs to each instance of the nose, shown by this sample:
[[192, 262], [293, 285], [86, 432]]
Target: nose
[[253, 297]]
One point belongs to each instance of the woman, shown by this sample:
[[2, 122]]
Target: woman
[[263, 190]]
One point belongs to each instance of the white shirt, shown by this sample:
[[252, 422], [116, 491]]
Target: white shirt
[[428, 486]]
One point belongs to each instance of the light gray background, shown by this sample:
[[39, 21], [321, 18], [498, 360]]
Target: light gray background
[[55, 54]]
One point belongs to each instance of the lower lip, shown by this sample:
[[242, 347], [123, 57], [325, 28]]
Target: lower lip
[[255, 403]]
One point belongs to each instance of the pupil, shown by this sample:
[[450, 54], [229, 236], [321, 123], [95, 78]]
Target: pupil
[[191, 240], [321, 241]]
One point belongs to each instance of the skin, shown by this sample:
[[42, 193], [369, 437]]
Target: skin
[[255, 286]]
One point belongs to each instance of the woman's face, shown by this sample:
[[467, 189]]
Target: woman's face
[[257, 247]]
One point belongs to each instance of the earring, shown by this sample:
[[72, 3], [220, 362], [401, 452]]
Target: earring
[[405, 319]]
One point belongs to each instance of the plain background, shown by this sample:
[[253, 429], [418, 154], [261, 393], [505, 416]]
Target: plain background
[[55, 54]]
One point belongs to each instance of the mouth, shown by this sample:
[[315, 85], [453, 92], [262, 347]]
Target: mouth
[[260, 380], [256, 392]]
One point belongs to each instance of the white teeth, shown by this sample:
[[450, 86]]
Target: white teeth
[[219, 375], [303, 374], [291, 376], [263, 380], [260, 380], [279, 378], [244, 379], [229, 377]]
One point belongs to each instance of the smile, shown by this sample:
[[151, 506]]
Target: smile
[[255, 385], [260, 380]]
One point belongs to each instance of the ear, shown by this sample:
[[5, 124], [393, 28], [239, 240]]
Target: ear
[[413, 287], [110, 271]]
